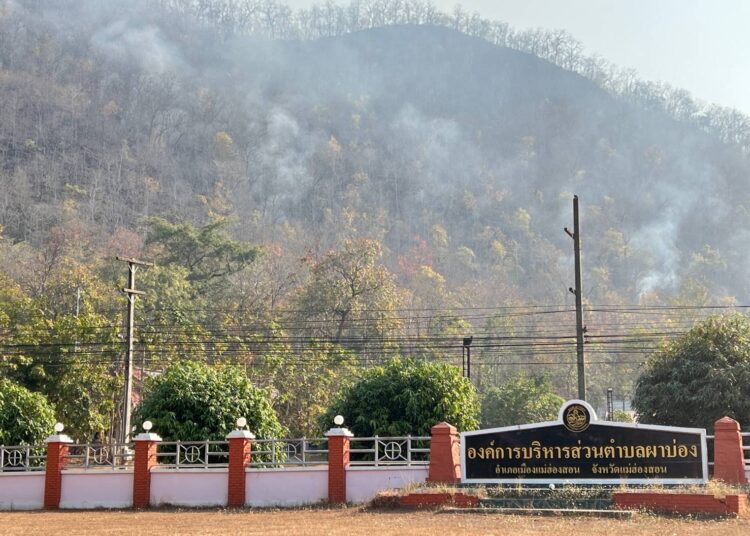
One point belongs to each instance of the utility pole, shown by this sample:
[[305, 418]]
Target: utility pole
[[130, 293], [467, 347], [78, 310], [580, 328]]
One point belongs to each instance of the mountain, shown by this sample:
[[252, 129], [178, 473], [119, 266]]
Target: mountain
[[407, 133]]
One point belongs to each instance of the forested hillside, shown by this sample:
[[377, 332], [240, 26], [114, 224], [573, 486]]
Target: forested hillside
[[326, 188]]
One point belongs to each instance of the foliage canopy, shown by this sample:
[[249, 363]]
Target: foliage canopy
[[521, 400], [26, 418], [207, 252], [193, 401], [405, 397], [699, 378]]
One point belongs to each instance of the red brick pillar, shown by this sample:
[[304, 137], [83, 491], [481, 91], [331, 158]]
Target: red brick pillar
[[240, 444], [729, 458], [445, 454], [338, 461], [145, 459], [57, 452]]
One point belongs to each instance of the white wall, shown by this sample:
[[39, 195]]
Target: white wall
[[286, 487], [363, 483], [96, 488], [202, 487], [22, 491], [189, 487]]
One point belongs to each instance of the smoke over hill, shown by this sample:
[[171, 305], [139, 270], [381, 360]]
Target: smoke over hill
[[141, 108]]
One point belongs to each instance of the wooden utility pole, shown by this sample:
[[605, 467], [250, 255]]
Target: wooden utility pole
[[467, 347], [130, 293], [580, 328]]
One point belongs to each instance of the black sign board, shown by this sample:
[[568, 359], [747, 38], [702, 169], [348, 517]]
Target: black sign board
[[578, 448]]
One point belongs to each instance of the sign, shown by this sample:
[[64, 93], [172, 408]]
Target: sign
[[578, 448]]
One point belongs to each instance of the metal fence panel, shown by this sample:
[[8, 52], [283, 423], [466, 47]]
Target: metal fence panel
[[289, 452], [22, 458], [385, 451], [100, 456], [193, 454]]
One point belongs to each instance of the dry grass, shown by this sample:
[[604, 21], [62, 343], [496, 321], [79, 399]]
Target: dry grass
[[349, 521]]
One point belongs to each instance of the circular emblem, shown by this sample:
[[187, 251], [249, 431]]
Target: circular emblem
[[101, 455], [15, 458], [392, 450], [292, 453], [192, 454], [576, 418]]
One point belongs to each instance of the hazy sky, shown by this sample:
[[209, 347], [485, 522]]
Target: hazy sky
[[700, 45]]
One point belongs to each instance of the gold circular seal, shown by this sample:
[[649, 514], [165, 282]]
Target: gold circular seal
[[576, 418]]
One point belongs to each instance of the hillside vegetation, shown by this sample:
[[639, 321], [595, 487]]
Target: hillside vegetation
[[326, 188]]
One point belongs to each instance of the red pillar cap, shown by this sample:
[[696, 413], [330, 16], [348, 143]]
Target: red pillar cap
[[444, 427], [727, 423]]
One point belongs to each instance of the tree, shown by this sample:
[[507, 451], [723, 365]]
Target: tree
[[700, 377], [70, 359], [192, 402], [350, 290], [208, 253], [406, 397], [305, 381], [521, 400], [26, 418], [171, 300]]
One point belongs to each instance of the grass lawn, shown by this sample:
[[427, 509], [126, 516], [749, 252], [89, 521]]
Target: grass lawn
[[353, 520]]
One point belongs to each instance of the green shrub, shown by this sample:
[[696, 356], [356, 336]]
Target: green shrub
[[194, 401], [521, 400], [26, 418], [406, 397]]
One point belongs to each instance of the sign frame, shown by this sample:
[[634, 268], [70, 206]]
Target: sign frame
[[588, 481]]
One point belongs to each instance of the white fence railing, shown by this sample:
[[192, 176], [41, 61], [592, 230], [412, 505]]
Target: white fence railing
[[289, 452], [22, 458], [100, 456], [384, 451], [192, 454], [265, 453]]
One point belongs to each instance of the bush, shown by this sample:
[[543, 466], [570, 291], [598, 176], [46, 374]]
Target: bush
[[193, 401], [26, 418], [619, 415], [523, 399], [406, 397], [699, 378]]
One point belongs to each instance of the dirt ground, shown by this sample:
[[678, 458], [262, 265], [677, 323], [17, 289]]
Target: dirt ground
[[350, 521]]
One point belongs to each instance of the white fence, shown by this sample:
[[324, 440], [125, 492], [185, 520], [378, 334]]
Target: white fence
[[390, 451], [22, 458], [192, 454], [281, 472], [302, 452]]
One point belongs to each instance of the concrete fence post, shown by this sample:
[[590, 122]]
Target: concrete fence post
[[240, 445], [338, 462], [729, 458], [57, 452], [445, 454], [145, 458]]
